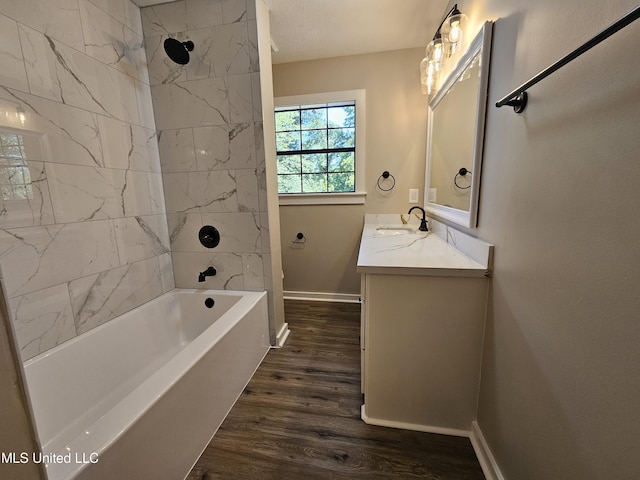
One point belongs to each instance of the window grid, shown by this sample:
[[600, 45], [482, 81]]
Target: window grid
[[322, 176]]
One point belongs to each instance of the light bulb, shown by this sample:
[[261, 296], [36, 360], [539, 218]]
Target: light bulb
[[428, 75], [437, 52], [453, 29], [430, 83], [454, 34]]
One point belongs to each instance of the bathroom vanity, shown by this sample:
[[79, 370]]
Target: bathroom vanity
[[424, 298]]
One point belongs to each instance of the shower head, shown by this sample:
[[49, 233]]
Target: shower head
[[178, 51]]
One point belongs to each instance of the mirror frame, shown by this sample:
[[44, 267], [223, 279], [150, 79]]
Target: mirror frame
[[481, 44]]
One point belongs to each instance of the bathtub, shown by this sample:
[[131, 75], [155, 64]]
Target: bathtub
[[142, 395]]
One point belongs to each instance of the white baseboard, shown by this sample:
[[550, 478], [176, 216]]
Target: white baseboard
[[485, 457], [322, 296], [282, 336], [412, 426]]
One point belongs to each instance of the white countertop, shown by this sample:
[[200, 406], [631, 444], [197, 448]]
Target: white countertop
[[408, 251]]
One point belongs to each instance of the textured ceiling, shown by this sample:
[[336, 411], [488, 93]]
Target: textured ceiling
[[310, 29]]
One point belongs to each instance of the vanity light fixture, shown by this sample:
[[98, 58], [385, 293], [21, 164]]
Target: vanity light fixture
[[445, 43]]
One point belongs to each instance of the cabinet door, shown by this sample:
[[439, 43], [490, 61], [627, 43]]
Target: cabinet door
[[423, 350]]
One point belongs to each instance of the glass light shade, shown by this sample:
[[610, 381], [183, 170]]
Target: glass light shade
[[452, 31], [423, 67], [427, 67], [430, 84], [428, 76], [435, 52]]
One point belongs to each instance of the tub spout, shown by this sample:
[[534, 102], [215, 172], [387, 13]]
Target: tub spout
[[209, 272]]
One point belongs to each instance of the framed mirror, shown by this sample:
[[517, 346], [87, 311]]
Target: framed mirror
[[456, 135]]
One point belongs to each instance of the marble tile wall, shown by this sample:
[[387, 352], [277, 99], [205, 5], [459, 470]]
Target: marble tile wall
[[83, 228], [209, 120]]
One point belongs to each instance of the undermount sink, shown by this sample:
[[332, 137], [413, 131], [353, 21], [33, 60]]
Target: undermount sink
[[394, 230]]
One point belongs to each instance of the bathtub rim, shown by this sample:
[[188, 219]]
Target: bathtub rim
[[95, 330], [107, 429]]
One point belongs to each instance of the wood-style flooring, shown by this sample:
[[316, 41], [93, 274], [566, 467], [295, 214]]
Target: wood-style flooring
[[299, 417]]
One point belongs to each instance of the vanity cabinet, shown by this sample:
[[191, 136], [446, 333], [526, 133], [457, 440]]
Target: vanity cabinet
[[422, 328], [421, 347]]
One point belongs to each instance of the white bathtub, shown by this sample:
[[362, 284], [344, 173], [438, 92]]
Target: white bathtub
[[144, 393]]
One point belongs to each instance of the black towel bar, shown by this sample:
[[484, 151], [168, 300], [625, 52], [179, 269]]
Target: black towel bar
[[518, 98]]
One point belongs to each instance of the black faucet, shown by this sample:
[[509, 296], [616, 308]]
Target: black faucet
[[423, 222], [209, 272]]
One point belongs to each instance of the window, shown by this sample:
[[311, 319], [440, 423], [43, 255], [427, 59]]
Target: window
[[319, 148], [316, 146], [15, 178]]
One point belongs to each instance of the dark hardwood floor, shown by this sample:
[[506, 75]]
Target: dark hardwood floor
[[299, 417]]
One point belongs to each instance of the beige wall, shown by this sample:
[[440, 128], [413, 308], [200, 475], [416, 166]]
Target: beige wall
[[560, 392], [326, 261], [396, 138]]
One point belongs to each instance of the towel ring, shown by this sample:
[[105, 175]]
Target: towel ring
[[384, 176], [462, 172]]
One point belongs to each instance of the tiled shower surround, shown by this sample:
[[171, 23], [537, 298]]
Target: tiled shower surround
[[209, 124], [84, 231]]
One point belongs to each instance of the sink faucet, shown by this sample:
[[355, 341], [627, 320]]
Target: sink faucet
[[209, 272], [423, 222]]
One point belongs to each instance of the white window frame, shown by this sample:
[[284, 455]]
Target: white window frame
[[337, 198]]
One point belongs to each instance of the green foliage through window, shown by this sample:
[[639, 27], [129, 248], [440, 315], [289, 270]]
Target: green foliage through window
[[316, 148]]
